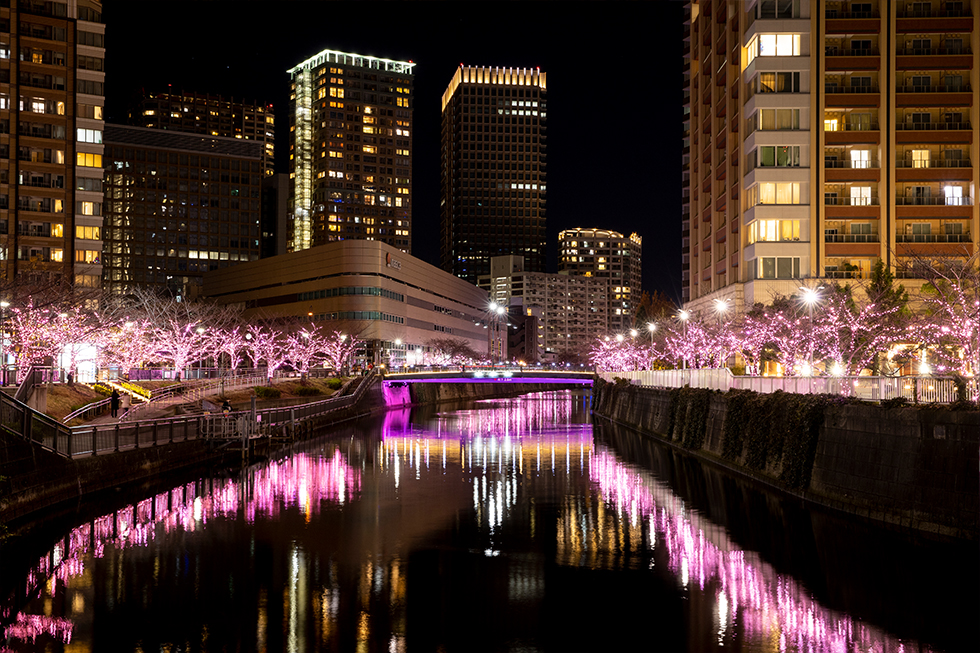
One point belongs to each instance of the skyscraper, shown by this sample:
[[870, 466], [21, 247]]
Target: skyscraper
[[607, 256], [494, 169], [51, 97], [825, 135], [178, 205], [350, 157], [212, 115]]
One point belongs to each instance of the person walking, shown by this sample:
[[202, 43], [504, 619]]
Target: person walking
[[114, 402]]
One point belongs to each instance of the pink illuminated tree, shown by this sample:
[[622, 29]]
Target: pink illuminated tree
[[268, 344], [338, 348]]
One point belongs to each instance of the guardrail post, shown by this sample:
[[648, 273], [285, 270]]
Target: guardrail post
[[171, 432], [95, 434], [154, 434], [69, 443]]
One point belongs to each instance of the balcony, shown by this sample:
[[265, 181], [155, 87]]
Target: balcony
[[830, 200], [934, 163], [849, 52], [908, 52], [939, 12], [851, 238], [837, 13], [871, 126], [834, 88], [844, 163], [933, 201], [933, 126], [935, 88], [932, 238]]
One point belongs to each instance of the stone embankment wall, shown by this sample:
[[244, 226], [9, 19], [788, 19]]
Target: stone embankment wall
[[913, 467]]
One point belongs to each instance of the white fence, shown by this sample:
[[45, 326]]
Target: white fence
[[916, 389]]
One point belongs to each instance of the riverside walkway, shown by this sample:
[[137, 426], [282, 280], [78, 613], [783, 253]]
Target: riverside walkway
[[154, 424]]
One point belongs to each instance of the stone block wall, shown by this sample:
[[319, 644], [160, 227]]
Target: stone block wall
[[914, 467]]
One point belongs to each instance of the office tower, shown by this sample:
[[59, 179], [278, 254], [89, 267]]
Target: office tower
[[350, 157], [686, 162], [494, 169], [51, 99], [178, 205], [571, 311], [826, 135], [213, 115], [608, 256]]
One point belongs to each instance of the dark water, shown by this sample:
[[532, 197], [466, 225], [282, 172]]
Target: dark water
[[507, 525]]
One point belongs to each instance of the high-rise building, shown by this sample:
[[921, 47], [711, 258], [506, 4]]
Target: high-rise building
[[350, 150], [51, 100], [825, 135], [494, 169], [608, 256], [177, 205], [212, 115]]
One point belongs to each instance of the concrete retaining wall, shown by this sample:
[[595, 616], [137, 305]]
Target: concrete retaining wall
[[916, 468]]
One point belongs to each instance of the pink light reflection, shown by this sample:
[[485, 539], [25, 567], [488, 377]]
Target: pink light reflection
[[303, 481], [767, 604]]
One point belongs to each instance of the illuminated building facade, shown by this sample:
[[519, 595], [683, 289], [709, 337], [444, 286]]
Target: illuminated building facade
[[825, 135], [177, 205], [212, 115], [609, 256], [570, 311], [350, 151], [51, 98], [494, 169], [397, 304]]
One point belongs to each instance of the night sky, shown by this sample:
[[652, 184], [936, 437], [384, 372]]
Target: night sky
[[614, 90]]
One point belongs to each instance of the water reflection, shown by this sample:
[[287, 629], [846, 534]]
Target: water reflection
[[485, 528]]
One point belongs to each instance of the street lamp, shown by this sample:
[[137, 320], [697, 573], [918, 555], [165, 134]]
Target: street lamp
[[721, 307], [810, 297], [683, 316]]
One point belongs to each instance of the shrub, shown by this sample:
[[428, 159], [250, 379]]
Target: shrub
[[265, 392], [307, 391], [334, 384]]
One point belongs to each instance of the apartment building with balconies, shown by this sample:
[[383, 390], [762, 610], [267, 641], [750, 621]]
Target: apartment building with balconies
[[610, 256], [51, 97], [858, 139]]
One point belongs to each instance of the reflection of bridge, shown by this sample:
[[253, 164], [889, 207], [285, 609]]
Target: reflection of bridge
[[494, 375]]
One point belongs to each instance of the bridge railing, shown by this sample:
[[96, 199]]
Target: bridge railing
[[915, 389]]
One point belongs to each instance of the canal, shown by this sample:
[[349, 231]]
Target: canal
[[502, 525]]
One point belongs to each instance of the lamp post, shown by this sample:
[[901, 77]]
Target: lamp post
[[810, 297], [683, 316], [3, 342], [721, 307]]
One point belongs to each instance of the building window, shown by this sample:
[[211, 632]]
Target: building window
[[778, 119], [779, 156], [773, 45], [88, 160], [779, 83], [778, 193], [778, 267]]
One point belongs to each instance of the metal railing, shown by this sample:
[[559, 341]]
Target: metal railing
[[940, 200], [851, 238], [932, 238], [934, 88], [933, 126], [962, 49], [915, 389], [934, 163], [21, 420], [192, 392]]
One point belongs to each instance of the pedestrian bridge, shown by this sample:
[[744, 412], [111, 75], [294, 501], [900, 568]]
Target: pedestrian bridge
[[522, 375]]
